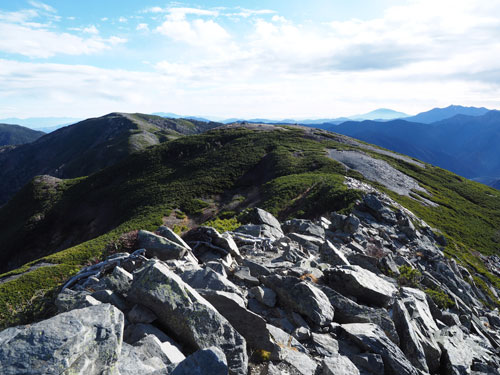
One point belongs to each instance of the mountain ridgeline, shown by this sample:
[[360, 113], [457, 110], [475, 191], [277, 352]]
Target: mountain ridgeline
[[87, 147], [17, 135]]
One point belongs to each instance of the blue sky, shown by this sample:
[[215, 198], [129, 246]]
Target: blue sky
[[277, 59]]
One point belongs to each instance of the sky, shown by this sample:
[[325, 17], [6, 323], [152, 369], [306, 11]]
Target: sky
[[273, 59]]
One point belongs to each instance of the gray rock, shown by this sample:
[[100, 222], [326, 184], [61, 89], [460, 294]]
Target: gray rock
[[362, 284], [371, 338], [187, 314], [410, 345], [108, 296], [208, 239], [132, 362], [309, 242], [324, 344], [160, 247], [299, 361], [351, 224], [83, 341], [256, 269], [450, 319], [302, 226], [331, 255], [119, 281], [209, 361], [423, 325], [348, 311], [338, 364], [136, 332], [302, 297], [141, 314], [69, 300], [207, 278], [259, 216], [150, 346], [250, 325], [243, 274], [370, 362], [264, 295], [169, 234], [461, 352]]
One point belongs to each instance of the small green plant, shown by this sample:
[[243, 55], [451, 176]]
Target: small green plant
[[409, 276], [223, 225], [263, 355], [180, 215], [440, 298], [179, 229]]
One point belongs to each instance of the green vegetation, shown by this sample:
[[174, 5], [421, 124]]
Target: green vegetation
[[223, 225], [440, 298], [409, 276]]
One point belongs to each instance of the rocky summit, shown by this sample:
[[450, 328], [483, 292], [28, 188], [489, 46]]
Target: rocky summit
[[366, 293]]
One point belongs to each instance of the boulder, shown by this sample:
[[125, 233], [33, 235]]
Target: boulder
[[461, 352], [410, 345], [133, 362], [302, 297], [209, 361], [250, 325], [348, 311], [302, 226], [362, 284], [83, 341], [160, 247], [186, 314], [206, 278], [69, 300], [264, 295], [331, 255], [371, 338], [140, 314], [169, 234], [338, 364]]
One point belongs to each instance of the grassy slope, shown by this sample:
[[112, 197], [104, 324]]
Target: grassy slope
[[293, 176], [87, 147]]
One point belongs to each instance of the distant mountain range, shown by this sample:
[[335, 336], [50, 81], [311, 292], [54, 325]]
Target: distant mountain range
[[438, 114], [88, 146], [466, 145], [17, 135]]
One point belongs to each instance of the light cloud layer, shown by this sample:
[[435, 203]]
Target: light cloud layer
[[417, 55]]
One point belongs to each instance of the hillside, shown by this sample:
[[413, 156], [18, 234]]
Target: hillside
[[17, 135], [88, 146], [184, 182], [466, 145]]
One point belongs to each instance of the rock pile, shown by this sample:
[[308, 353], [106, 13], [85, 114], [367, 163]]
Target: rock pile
[[343, 295]]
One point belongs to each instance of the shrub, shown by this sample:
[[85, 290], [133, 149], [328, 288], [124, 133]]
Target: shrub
[[440, 298], [409, 276], [223, 225]]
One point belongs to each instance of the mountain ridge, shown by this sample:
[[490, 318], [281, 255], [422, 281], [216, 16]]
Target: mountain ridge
[[12, 135]]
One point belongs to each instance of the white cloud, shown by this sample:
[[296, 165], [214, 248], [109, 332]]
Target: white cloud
[[122, 19], [91, 30], [104, 19], [245, 13], [142, 26], [40, 43], [198, 32], [42, 40], [42, 6]]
